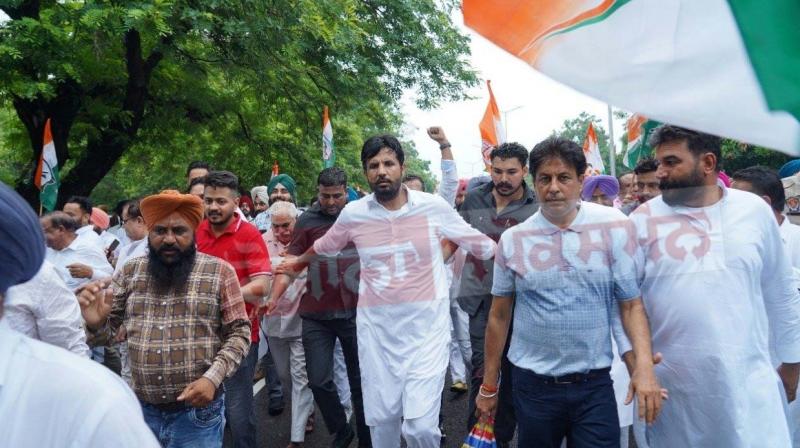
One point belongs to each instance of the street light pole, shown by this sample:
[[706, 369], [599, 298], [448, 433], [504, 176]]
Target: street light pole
[[612, 151]]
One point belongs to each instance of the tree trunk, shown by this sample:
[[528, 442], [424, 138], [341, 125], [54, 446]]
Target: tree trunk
[[101, 152], [61, 110]]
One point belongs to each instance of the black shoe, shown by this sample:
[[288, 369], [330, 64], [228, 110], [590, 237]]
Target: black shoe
[[275, 407], [344, 437]]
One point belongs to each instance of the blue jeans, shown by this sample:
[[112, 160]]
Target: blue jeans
[[239, 408], [584, 412], [189, 427]]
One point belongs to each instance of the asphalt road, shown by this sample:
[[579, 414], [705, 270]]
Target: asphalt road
[[273, 432]]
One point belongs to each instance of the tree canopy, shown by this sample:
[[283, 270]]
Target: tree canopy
[[137, 89]]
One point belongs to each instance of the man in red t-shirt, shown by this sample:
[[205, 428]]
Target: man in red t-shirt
[[225, 235]]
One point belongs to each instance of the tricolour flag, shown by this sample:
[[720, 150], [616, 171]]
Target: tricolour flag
[[491, 126], [46, 178], [726, 67], [328, 154], [638, 128], [591, 149], [275, 169]]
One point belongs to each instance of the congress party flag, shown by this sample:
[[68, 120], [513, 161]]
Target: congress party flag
[[46, 178], [726, 67], [328, 154], [591, 149], [638, 128], [491, 126]]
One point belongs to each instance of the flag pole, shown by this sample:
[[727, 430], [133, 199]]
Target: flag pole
[[612, 151]]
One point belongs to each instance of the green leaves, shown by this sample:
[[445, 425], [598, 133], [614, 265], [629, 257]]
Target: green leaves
[[240, 83]]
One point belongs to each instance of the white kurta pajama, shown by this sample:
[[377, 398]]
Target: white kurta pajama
[[403, 320], [790, 234], [714, 278]]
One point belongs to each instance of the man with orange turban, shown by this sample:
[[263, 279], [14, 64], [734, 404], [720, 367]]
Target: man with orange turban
[[185, 320]]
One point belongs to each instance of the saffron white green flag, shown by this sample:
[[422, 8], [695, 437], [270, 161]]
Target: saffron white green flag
[[328, 154], [591, 149], [46, 178], [730, 68], [639, 129]]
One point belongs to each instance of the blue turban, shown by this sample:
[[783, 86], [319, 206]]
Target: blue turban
[[283, 179], [609, 185], [21, 240], [352, 194], [790, 168]]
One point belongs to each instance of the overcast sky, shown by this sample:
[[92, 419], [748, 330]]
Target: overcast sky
[[545, 104]]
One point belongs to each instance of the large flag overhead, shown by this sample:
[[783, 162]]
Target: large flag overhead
[[591, 149], [638, 128], [724, 67], [328, 155], [46, 178], [491, 126]]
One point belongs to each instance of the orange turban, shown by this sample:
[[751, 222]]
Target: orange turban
[[158, 206], [100, 218]]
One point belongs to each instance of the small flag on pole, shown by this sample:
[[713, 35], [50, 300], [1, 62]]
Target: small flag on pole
[[591, 149], [328, 155], [638, 128], [46, 179], [275, 169], [491, 126]]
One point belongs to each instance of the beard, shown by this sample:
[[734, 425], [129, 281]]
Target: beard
[[386, 193], [169, 274], [682, 191]]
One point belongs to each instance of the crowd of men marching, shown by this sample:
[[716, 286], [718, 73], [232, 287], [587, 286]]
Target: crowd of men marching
[[586, 309]]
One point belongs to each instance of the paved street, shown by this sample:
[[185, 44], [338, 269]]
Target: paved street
[[273, 432]]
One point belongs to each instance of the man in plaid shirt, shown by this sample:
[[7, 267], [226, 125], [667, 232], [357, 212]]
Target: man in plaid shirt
[[185, 320]]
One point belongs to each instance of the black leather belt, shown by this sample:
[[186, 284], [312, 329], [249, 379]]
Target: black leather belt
[[571, 378]]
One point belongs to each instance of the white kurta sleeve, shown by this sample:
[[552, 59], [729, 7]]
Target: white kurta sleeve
[[449, 186], [95, 259], [58, 315], [781, 298], [336, 238], [455, 229]]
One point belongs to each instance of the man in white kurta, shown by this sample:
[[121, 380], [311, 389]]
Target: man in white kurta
[[715, 279], [766, 183], [403, 319]]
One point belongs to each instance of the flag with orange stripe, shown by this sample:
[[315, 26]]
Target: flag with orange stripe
[[725, 67], [491, 126], [46, 178]]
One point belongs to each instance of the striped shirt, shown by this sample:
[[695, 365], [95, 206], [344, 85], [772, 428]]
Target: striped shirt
[[176, 337]]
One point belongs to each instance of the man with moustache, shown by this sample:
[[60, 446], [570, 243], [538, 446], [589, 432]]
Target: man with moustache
[[186, 325], [567, 278], [715, 281], [225, 234], [403, 316], [281, 188], [492, 209], [646, 186]]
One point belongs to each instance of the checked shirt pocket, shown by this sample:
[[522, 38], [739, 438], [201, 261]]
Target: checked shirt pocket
[[207, 416]]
